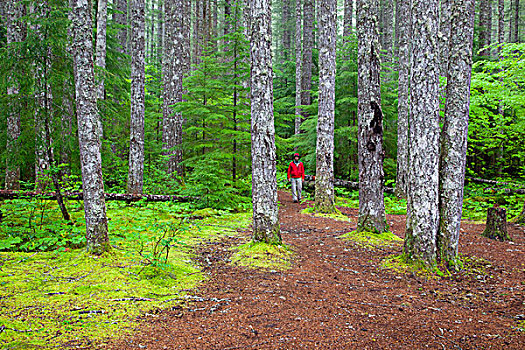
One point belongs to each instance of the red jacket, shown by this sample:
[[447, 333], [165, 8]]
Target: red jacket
[[296, 171]]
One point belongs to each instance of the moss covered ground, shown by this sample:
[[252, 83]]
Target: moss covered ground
[[262, 255], [372, 240], [335, 216], [61, 295]]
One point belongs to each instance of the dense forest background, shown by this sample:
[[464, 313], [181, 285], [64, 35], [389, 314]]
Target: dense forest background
[[215, 148]]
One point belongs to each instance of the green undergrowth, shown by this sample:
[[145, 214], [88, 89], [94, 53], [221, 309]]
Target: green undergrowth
[[372, 240], [64, 296], [263, 256], [335, 216]]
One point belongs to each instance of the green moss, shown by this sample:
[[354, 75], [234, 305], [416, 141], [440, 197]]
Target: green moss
[[263, 255], [402, 264], [64, 296], [373, 240], [205, 213], [337, 215]]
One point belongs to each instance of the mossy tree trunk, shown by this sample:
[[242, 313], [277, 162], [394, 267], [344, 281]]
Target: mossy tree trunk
[[324, 184], [264, 167], [370, 120], [521, 218], [496, 226], [455, 127]]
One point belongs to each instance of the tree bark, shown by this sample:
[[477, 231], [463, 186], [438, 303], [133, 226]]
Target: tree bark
[[173, 89], [455, 129], [405, 28], [308, 44], [423, 174], [264, 169], [516, 22], [496, 226], [121, 17], [286, 30], [324, 184], [501, 23], [298, 65], [15, 34], [100, 52], [348, 18], [97, 240], [387, 14], [444, 35], [485, 23], [370, 120], [138, 100]]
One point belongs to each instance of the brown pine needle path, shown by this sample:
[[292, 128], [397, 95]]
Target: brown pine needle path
[[337, 296]]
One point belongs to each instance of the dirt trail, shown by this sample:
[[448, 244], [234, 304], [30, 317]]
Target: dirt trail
[[337, 297]]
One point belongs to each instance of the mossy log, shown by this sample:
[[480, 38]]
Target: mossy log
[[109, 196], [310, 182], [496, 226]]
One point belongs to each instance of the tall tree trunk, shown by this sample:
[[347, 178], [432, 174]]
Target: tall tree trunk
[[187, 34], [324, 183], [308, 44], [97, 240], [197, 32], [173, 74], [348, 17], [298, 65], [444, 35], [100, 52], [455, 127], [485, 23], [516, 22], [405, 29], [370, 120], [138, 77], [396, 27], [423, 174], [501, 23], [286, 29], [264, 168], [387, 10], [121, 18], [15, 34]]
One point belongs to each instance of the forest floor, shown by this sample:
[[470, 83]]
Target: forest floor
[[343, 294]]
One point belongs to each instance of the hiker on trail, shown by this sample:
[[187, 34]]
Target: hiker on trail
[[296, 175]]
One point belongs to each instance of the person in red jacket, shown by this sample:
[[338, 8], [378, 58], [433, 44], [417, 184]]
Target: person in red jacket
[[296, 176]]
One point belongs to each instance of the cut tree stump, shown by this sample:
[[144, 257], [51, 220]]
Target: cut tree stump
[[496, 227]]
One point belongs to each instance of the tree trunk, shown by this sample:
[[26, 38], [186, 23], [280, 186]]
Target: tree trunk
[[370, 120], [138, 77], [15, 10], [520, 219], [264, 169], [387, 11], [405, 28], [516, 22], [348, 17], [396, 27], [100, 52], [173, 89], [308, 44], [324, 184], [423, 174], [501, 23], [121, 18], [485, 23], [496, 226], [298, 66], [97, 240], [286, 29], [444, 35], [455, 127]]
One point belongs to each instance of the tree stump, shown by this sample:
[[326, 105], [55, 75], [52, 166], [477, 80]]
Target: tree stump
[[496, 227]]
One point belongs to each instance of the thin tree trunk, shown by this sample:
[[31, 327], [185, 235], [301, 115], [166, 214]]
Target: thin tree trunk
[[370, 120], [173, 89], [196, 32], [298, 65], [516, 22], [97, 240], [266, 226], [324, 184], [397, 20], [485, 26], [423, 174], [455, 127], [405, 28], [308, 44], [348, 17], [121, 17], [501, 23], [388, 27], [138, 77], [286, 29], [15, 10], [444, 35], [100, 52]]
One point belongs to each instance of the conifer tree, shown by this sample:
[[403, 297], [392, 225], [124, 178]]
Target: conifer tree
[[266, 226], [298, 65], [370, 120], [100, 51], [324, 182], [97, 240]]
